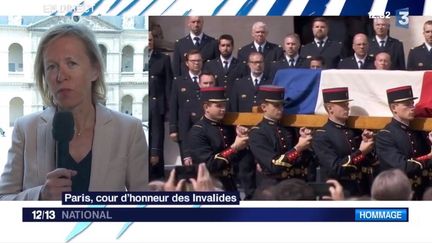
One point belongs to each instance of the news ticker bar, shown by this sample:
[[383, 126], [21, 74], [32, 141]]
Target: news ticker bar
[[141, 214]]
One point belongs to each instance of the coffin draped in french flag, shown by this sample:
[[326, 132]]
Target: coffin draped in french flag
[[367, 88]]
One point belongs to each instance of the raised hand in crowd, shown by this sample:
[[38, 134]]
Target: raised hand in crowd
[[187, 161], [336, 191], [170, 184], [204, 181]]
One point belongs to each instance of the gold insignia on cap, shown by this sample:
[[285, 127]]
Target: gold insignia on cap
[[183, 89], [243, 96]]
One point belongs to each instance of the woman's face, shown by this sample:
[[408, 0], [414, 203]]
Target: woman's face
[[69, 72]]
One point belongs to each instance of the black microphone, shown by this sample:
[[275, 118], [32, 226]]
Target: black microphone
[[63, 132]]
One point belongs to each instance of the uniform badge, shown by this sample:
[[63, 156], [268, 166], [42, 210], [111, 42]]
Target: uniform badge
[[183, 89], [243, 96], [420, 64], [308, 57]]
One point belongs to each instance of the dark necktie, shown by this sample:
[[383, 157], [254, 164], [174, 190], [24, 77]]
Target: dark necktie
[[260, 49], [195, 79], [256, 82], [320, 44], [360, 64], [225, 66], [197, 41], [382, 43], [291, 62]]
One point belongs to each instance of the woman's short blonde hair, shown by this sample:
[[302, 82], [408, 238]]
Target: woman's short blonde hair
[[92, 50]]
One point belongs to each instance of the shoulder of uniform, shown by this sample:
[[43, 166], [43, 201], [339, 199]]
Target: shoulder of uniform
[[197, 126], [384, 130]]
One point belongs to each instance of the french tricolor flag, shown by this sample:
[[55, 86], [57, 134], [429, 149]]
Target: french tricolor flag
[[367, 88]]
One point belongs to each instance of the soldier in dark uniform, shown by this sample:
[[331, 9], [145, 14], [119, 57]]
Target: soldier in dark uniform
[[243, 94], [159, 88], [322, 46], [382, 42], [226, 68], [344, 154], [185, 108], [270, 51], [398, 146], [196, 39], [215, 144], [291, 57], [243, 99], [280, 154], [420, 57], [360, 59]]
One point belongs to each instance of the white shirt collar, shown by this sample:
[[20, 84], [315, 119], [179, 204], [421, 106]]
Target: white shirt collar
[[428, 46], [324, 40], [379, 39], [192, 35], [259, 78], [193, 75], [257, 45], [358, 58], [295, 58], [228, 60]]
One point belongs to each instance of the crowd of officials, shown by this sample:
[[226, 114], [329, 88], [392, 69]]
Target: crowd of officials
[[203, 80]]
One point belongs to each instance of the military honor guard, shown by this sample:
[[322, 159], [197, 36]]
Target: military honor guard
[[280, 152], [217, 145], [344, 154], [398, 146]]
